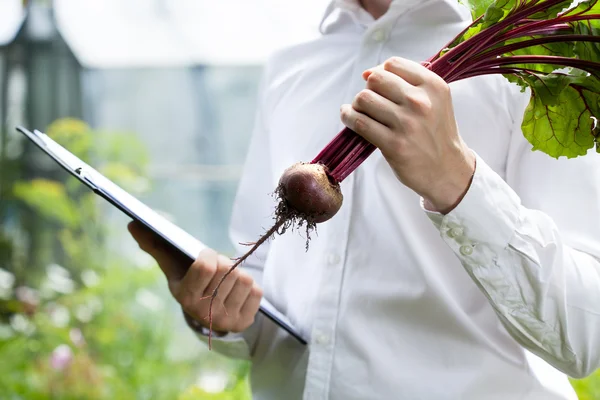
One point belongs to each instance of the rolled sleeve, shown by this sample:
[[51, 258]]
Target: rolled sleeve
[[472, 218], [542, 278]]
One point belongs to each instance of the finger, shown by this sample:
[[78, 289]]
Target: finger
[[377, 107], [226, 284], [373, 131], [252, 303], [410, 71], [199, 275], [239, 293], [141, 235], [388, 85], [171, 262]]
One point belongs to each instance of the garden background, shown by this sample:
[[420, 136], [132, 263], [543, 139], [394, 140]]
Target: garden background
[[159, 95]]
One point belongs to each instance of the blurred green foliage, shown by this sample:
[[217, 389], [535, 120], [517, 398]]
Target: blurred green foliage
[[94, 326], [588, 388]]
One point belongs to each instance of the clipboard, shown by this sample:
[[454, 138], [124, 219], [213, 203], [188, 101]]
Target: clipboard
[[181, 241]]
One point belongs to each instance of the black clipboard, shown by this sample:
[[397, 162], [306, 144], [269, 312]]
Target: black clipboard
[[187, 245]]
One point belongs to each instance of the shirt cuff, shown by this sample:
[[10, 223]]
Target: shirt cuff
[[233, 345], [488, 213]]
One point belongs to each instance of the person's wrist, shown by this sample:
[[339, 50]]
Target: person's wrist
[[453, 187]]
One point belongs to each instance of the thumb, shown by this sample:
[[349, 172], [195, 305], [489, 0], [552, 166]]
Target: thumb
[[173, 264]]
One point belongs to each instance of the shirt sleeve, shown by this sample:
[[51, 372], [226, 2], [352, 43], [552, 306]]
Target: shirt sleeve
[[531, 242], [252, 211]]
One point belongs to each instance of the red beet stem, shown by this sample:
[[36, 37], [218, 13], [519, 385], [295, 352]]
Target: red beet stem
[[346, 151]]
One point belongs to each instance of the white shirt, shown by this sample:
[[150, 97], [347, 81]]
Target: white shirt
[[398, 302]]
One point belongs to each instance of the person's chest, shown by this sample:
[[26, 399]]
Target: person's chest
[[310, 83], [380, 245]]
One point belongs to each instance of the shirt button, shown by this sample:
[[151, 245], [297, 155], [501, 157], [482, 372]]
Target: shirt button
[[322, 339], [333, 259], [455, 232], [379, 35], [466, 250]]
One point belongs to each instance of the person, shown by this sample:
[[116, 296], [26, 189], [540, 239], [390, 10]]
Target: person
[[462, 264]]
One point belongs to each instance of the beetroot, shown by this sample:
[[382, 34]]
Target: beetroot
[[308, 193]]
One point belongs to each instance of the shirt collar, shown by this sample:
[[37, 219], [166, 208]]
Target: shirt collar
[[339, 12]]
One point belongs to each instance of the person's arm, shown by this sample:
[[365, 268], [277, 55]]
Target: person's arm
[[252, 210], [532, 244], [532, 248]]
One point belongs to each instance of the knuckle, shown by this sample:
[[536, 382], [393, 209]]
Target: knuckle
[[360, 125], [206, 268], [223, 260], [187, 301], [421, 103], [392, 63], [256, 291], [363, 97], [222, 269], [245, 279], [207, 254], [206, 261], [409, 126], [440, 85], [374, 78], [398, 144], [345, 113]]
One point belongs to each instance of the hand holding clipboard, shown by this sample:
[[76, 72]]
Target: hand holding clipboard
[[183, 243]]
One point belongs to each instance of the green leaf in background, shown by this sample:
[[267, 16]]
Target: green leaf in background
[[50, 199], [72, 134]]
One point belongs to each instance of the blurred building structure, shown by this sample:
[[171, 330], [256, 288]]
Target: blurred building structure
[[182, 74]]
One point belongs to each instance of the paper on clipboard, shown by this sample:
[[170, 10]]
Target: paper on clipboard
[[177, 237]]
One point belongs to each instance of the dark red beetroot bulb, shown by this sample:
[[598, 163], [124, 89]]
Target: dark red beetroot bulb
[[310, 193]]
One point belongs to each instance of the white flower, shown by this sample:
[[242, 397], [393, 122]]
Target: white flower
[[61, 357], [60, 316], [59, 279], [84, 313], [7, 279], [76, 337], [147, 299], [90, 278], [21, 324], [213, 381], [27, 295]]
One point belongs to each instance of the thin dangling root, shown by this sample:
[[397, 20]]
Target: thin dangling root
[[281, 222]]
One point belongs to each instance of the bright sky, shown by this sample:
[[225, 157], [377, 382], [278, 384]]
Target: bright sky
[[11, 17], [127, 33]]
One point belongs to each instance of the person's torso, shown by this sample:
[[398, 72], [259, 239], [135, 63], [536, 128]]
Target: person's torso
[[389, 310]]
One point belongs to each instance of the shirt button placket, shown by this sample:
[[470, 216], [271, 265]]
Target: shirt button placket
[[324, 328], [320, 365]]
